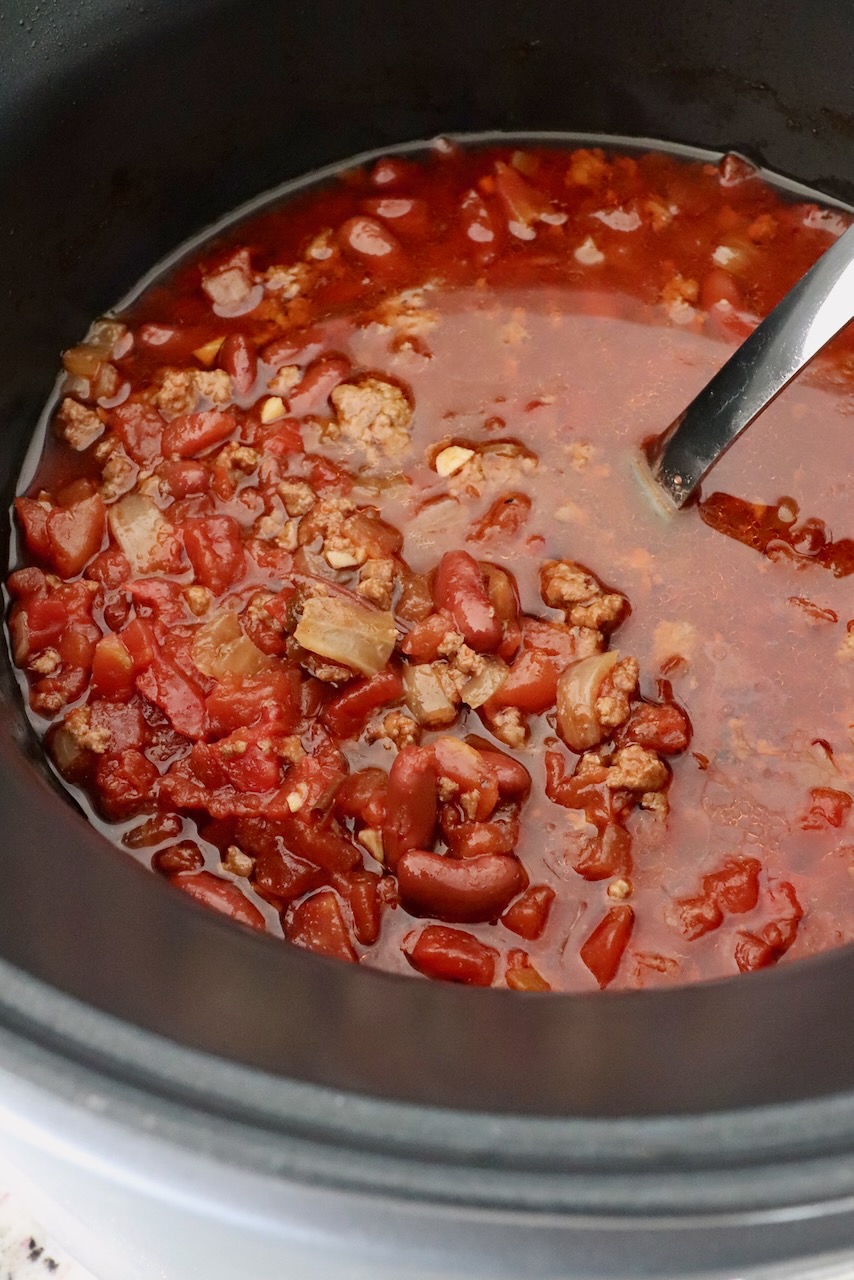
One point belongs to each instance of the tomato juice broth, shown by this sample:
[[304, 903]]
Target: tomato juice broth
[[574, 308]]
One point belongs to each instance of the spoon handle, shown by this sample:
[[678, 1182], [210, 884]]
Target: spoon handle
[[813, 312]]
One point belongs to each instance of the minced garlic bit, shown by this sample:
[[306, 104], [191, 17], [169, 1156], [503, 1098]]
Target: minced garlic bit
[[272, 408], [451, 460]]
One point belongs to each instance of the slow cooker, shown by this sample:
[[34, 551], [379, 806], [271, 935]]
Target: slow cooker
[[180, 1098]]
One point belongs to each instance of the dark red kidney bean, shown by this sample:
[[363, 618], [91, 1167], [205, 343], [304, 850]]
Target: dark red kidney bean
[[407, 216], [185, 856], [390, 171], [459, 588], [529, 914], [372, 244], [451, 955], [222, 895], [481, 225], [318, 382], [411, 804], [603, 949], [300, 349], [237, 356], [514, 780], [347, 713], [465, 890], [466, 767], [163, 826], [317, 923]]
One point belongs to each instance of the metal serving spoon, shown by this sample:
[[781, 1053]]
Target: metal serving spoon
[[813, 312]]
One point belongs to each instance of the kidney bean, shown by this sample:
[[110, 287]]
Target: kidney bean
[[481, 226], [347, 714], [411, 803], [451, 955], [215, 549], [466, 767], [603, 949], [465, 890], [223, 895], [300, 348], [529, 914], [390, 171], [317, 923], [318, 382], [514, 780], [372, 244], [237, 356], [459, 588], [184, 856], [408, 216]]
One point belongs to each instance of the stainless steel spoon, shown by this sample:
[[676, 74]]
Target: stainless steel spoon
[[813, 312]]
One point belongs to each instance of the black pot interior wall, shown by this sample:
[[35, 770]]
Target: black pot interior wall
[[124, 129]]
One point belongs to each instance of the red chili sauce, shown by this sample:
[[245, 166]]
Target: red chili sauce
[[341, 602]]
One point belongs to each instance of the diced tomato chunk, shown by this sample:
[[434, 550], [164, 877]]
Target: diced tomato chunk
[[33, 516], [178, 697], [140, 428], [215, 549], [75, 534], [317, 923], [112, 668]]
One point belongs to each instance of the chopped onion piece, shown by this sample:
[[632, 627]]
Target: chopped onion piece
[[480, 688], [141, 530], [220, 649], [347, 632], [426, 698], [577, 691]]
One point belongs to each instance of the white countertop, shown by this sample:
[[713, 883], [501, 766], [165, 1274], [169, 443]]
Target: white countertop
[[26, 1253]]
